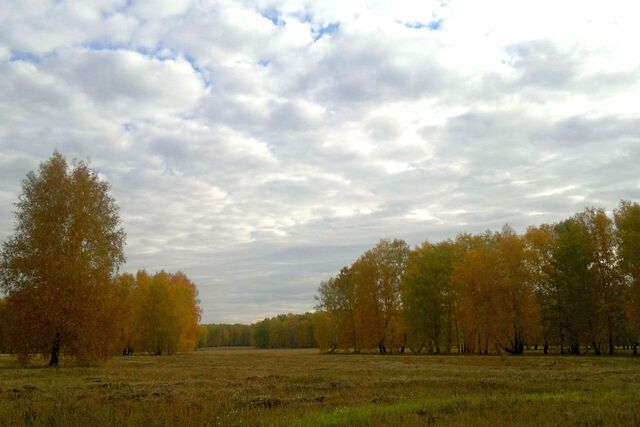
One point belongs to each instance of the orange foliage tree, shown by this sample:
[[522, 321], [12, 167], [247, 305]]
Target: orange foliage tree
[[627, 221], [56, 269], [164, 313]]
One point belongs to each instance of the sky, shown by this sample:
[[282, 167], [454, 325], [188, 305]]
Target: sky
[[259, 146]]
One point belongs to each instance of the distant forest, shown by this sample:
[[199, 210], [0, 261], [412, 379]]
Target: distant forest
[[282, 331]]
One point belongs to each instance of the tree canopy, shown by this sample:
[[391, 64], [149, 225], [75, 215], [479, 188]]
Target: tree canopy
[[573, 286], [57, 267]]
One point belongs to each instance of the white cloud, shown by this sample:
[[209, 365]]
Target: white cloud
[[260, 145]]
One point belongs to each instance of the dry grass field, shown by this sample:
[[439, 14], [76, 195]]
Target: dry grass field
[[230, 387]]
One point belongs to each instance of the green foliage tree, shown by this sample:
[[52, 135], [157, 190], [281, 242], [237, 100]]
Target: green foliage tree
[[426, 296], [261, 334]]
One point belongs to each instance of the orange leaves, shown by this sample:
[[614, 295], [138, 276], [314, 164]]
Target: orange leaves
[[363, 302], [58, 264], [164, 312]]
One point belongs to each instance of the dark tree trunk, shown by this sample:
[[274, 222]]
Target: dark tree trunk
[[635, 349], [574, 348], [546, 348], [55, 350], [128, 350], [382, 348]]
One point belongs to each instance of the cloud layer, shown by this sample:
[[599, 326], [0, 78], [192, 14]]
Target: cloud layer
[[260, 145]]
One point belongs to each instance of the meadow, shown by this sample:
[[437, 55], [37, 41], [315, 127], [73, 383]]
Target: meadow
[[245, 386]]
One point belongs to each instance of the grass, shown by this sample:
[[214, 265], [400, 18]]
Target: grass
[[230, 387]]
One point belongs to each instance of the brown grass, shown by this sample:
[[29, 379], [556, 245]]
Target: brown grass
[[304, 387]]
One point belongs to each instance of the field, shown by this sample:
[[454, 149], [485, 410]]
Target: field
[[230, 387]]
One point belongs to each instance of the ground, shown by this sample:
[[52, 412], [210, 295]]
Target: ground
[[230, 387]]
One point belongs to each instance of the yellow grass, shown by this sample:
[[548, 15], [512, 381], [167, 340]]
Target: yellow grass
[[304, 387]]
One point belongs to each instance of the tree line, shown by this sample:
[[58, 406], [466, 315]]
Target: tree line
[[61, 291], [282, 331], [570, 287]]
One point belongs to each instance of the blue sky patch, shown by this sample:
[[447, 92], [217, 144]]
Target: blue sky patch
[[304, 16], [18, 55], [129, 127], [417, 25], [204, 75], [331, 28], [274, 16]]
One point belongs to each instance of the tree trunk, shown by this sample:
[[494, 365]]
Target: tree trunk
[[404, 343], [546, 348], [574, 348], [635, 349], [382, 348], [55, 350]]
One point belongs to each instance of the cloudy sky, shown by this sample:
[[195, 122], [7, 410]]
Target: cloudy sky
[[260, 145]]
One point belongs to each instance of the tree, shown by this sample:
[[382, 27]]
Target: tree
[[540, 246], [606, 277], [57, 268], [627, 220], [478, 301], [165, 313], [377, 276], [337, 297], [577, 295], [427, 298], [517, 288], [3, 328], [261, 334]]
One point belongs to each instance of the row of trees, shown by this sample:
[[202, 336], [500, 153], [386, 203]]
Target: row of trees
[[58, 277], [571, 286], [285, 331], [282, 331], [225, 335]]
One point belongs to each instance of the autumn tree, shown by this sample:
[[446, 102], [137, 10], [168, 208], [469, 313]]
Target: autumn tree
[[627, 221], [125, 333], [377, 276], [606, 278], [3, 328], [56, 269], [540, 246], [324, 334], [475, 284], [337, 297], [497, 309], [165, 313], [577, 294], [516, 286]]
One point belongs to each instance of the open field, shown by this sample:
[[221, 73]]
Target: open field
[[303, 387]]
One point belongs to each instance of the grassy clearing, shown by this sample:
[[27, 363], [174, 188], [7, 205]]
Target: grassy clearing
[[305, 388]]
